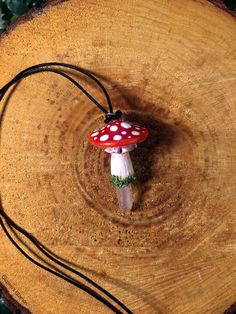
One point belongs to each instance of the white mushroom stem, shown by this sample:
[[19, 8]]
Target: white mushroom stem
[[122, 168]]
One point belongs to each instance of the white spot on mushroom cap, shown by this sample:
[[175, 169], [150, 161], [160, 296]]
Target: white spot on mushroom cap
[[117, 137], [104, 137], [123, 132], [114, 128], [129, 136], [137, 128], [135, 133], [94, 134], [95, 138], [125, 125]]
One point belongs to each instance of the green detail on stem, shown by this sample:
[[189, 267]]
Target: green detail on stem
[[121, 183]]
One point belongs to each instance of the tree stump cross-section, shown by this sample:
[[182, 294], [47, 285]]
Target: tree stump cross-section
[[170, 65]]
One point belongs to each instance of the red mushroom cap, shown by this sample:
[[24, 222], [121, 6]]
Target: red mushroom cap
[[118, 133]]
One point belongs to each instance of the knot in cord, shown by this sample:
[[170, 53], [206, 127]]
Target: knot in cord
[[112, 116]]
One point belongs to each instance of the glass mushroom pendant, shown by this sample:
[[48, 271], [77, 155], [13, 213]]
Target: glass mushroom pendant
[[119, 138]]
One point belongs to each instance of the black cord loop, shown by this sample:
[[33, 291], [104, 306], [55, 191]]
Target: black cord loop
[[78, 69], [41, 247], [59, 274], [109, 116], [24, 74], [44, 67]]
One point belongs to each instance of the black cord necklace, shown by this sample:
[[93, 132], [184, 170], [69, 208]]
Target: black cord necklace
[[44, 67], [109, 117]]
